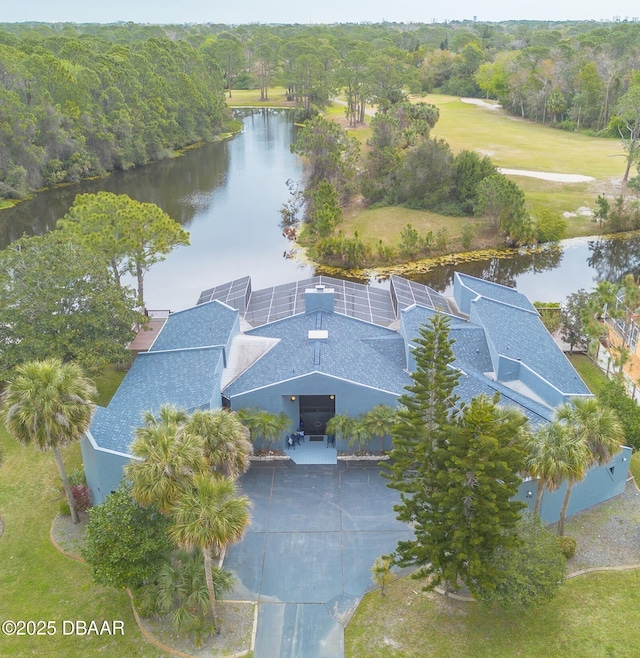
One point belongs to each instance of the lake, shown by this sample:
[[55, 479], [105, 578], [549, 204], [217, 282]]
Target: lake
[[228, 194]]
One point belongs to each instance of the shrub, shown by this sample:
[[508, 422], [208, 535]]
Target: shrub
[[550, 227], [567, 546], [125, 543], [77, 476], [634, 184], [568, 125], [82, 496], [63, 508], [441, 239], [529, 575], [467, 235]]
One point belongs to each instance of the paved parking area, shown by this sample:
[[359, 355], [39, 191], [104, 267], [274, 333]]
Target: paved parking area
[[306, 558]]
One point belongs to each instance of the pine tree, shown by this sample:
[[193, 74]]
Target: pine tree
[[425, 407], [457, 469], [466, 505]]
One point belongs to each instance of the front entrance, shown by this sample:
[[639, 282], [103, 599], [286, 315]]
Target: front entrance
[[315, 412]]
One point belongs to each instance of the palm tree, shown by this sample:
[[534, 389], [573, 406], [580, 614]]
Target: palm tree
[[209, 516], [49, 403], [165, 459], [226, 441], [599, 431], [168, 415], [359, 435], [262, 424], [552, 453], [380, 421], [597, 424], [179, 590], [341, 426]]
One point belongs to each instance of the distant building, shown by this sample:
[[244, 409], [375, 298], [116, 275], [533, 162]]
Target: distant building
[[323, 346], [623, 333]]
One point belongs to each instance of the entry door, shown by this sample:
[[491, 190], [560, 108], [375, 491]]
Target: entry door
[[315, 412]]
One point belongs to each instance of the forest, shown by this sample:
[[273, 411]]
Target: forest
[[78, 100], [72, 107]]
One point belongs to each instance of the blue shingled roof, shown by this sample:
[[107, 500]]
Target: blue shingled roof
[[472, 384], [470, 344], [355, 350], [496, 291], [472, 356], [183, 378], [521, 336], [204, 325]]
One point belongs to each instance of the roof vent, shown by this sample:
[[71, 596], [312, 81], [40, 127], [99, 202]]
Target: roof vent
[[318, 334]]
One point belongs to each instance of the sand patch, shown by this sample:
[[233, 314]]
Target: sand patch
[[480, 103], [583, 211], [544, 175]]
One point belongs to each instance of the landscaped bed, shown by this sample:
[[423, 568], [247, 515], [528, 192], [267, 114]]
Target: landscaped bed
[[236, 618], [594, 614]]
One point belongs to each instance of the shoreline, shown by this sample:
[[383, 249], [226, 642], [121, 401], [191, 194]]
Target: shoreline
[[426, 265]]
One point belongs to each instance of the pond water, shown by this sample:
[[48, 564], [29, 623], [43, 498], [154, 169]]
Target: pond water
[[551, 273], [227, 195]]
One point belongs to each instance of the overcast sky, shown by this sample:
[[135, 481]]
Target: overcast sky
[[309, 11]]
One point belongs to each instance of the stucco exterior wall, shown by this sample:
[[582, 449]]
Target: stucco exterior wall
[[104, 470], [351, 399], [600, 484]]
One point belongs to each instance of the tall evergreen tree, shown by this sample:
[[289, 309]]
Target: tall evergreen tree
[[425, 407], [466, 511], [456, 468]]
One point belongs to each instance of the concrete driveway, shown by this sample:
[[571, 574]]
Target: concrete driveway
[[306, 558]]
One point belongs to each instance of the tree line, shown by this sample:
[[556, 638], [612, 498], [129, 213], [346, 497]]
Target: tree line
[[78, 100], [75, 106]]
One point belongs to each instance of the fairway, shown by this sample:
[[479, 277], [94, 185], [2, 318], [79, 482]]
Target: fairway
[[521, 144]]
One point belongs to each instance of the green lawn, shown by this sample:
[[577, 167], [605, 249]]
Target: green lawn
[[387, 222], [277, 97], [107, 384], [37, 582], [593, 376], [593, 616], [520, 144], [511, 143], [634, 467]]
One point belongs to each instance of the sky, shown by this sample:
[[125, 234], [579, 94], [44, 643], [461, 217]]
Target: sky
[[312, 11]]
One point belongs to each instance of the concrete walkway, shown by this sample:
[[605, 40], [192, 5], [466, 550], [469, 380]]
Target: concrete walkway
[[306, 558]]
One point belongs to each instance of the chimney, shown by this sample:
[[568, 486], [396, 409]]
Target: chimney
[[318, 298]]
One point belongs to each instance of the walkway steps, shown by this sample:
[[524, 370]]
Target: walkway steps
[[313, 452]]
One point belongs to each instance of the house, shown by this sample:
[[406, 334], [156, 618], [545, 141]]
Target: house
[[322, 346], [623, 331]]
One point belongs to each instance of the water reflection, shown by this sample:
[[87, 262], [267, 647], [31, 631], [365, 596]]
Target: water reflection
[[614, 258], [505, 270], [179, 186]]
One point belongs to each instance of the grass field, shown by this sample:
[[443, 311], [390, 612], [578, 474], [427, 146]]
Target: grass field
[[36, 581], [515, 144], [593, 616], [251, 98], [593, 376], [521, 144]]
